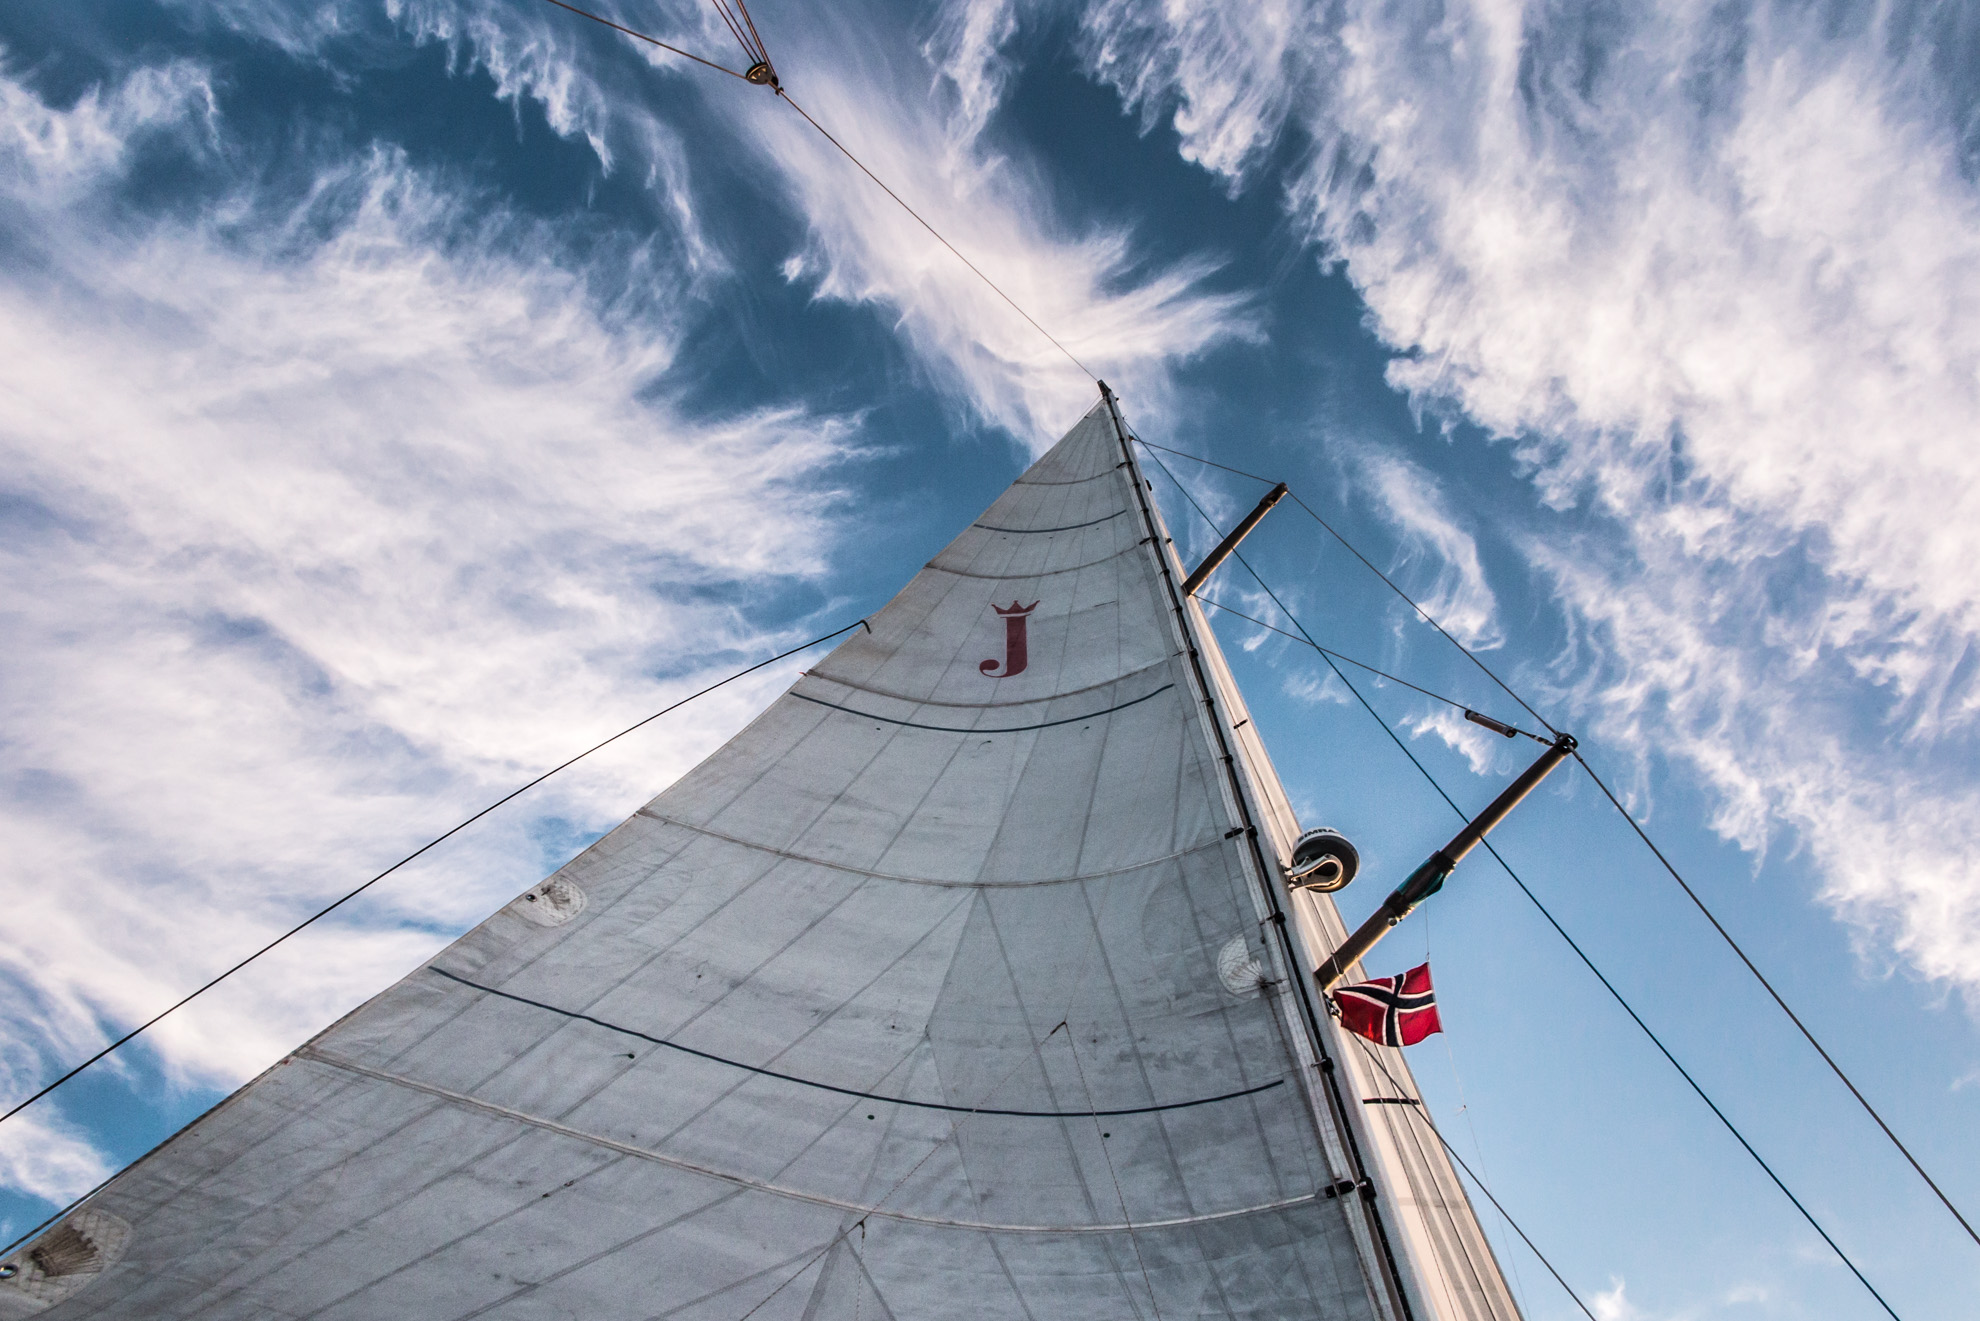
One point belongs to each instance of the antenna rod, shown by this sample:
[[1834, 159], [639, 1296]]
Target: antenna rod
[[1230, 543], [1429, 878]]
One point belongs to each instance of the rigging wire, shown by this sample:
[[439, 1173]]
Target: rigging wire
[[1760, 977], [1428, 618], [788, 100], [1634, 825], [324, 912], [762, 60], [1360, 665], [1435, 1132], [651, 41], [1607, 985], [753, 49]]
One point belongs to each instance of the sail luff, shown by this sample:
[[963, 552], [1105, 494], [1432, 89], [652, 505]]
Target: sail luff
[[1448, 1266], [1219, 706]]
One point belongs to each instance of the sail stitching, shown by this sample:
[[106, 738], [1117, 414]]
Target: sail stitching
[[833, 1087], [964, 729], [1070, 481], [1070, 527], [990, 706], [781, 1190], [1115, 1177], [1027, 577], [848, 868]]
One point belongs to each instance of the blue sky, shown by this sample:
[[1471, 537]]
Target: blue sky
[[397, 397]]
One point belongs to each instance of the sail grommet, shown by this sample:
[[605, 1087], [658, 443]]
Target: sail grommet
[[1323, 860], [550, 904]]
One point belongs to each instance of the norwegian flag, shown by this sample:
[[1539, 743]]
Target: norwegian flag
[[1391, 1011]]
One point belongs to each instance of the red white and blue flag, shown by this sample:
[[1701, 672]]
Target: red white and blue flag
[[1391, 1011]]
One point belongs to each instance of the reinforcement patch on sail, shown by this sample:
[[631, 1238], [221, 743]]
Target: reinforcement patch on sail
[[936, 992], [62, 1262]]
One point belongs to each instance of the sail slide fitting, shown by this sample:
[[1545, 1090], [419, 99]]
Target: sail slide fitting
[[1323, 860], [1230, 543], [1429, 878]]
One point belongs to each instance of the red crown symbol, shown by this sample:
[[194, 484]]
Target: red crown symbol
[[1016, 609]]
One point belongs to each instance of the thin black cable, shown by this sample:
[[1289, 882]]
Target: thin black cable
[[1428, 618], [932, 230], [1634, 825], [1362, 665], [762, 48], [1760, 977], [641, 36], [1452, 1152], [736, 31], [826, 134], [325, 912], [1562, 931]]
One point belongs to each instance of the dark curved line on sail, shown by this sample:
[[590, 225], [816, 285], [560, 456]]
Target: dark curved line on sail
[[1071, 481], [1026, 577], [1007, 729], [848, 1091], [993, 706], [709, 832], [1070, 527]]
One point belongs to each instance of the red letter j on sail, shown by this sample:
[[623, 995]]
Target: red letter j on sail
[[1015, 657]]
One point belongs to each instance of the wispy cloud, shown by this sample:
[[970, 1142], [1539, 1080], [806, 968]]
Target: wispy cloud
[[1714, 271], [327, 521], [1459, 597], [1088, 286]]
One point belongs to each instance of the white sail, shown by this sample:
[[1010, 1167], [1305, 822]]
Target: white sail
[[953, 986]]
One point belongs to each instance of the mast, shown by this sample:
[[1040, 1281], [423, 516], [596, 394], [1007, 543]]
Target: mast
[[1400, 1174], [1195, 639]]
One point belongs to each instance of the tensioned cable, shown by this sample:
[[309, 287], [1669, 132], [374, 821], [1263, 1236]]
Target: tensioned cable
[[937, 233], [1450, 1150], [1769, 987], [1360, 665], [745, 35], [651, 41], [1634, 825], [1607, 985], [322, 913], [1428, 618], [847, 153]]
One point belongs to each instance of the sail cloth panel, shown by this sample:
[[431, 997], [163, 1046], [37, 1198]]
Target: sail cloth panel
[[938, 991]]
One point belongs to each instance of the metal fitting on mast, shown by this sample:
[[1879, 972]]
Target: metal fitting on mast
[[1429, 878], [1230, 543]]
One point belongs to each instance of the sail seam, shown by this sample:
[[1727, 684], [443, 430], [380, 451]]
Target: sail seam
[[1070, 527], [850, 1091], [1026, 577], [465, 1101], [991, 706], [965, 729], [1205, 846], [1070, 481]]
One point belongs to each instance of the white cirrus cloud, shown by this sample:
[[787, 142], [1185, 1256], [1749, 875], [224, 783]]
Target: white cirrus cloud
[[915, 115], [913, 109], [1714, 271], [1416, 506], [327, 522]]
